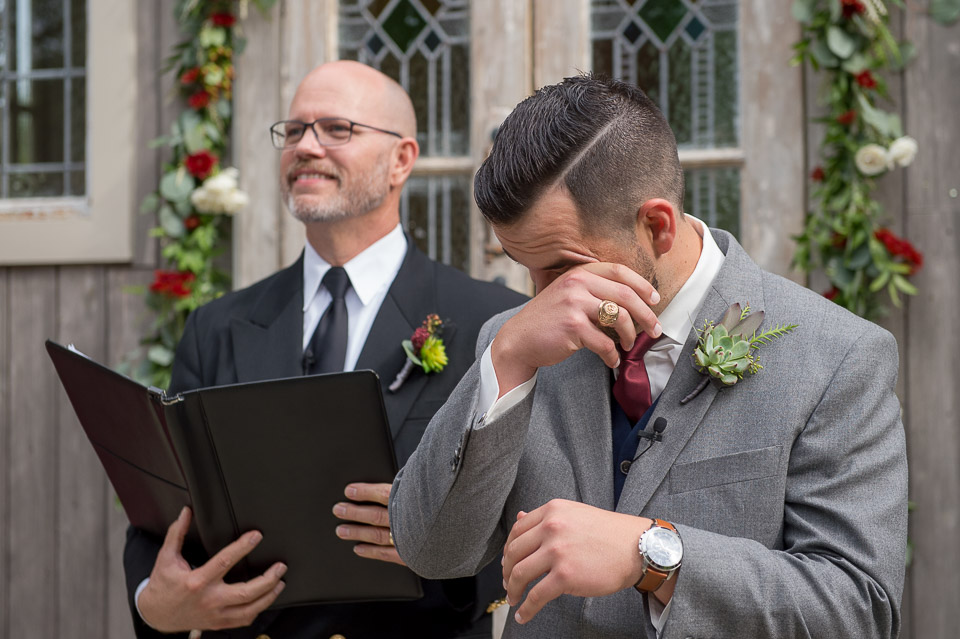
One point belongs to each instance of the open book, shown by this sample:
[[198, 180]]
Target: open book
[[273, 456]]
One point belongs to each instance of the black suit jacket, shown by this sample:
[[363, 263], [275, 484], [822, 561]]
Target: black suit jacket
[[256, 334]]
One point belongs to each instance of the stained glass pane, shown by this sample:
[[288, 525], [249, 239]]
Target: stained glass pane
[[713, 195], [424, 45], [683, 53], [436, 213]]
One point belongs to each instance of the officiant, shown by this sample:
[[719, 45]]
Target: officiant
[[359, 290]]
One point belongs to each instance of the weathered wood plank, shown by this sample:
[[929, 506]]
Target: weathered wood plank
[[34, 475], [81, 529], [932, 222], [256, 104], [772, 182], [561, 41], [126, 321], [5, 314]]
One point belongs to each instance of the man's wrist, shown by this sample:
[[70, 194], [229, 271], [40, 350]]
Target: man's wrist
[[510, 373]]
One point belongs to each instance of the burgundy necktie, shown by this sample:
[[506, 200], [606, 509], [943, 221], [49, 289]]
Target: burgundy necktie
[[632, 388]]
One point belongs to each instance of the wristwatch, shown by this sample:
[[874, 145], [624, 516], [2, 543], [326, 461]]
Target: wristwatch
[[662, 552]]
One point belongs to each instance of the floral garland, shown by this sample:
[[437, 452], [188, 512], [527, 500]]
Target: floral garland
[[195, 193], [850, 43]]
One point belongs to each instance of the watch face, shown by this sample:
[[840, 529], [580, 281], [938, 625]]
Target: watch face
[[662, 548]]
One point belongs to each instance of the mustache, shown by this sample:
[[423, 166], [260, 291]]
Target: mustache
[[312, 167]]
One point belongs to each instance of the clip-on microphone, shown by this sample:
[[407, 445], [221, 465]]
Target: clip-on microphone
[[656, 434]]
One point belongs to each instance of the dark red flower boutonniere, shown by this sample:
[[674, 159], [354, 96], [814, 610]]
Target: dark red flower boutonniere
[[425, 349], [725, 351]]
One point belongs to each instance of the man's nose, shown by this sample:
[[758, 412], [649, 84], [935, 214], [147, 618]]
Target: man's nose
[[309, 145]]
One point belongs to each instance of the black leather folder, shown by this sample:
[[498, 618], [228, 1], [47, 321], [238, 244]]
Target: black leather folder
[[273, 456]]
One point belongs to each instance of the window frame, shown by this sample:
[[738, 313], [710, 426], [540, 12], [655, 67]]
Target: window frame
[[97, 227]]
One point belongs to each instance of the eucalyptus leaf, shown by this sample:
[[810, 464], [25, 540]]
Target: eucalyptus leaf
[[836, 10], [176, 186], [160, 355], [223, 109], [150, 203], [195, 138], [802, 10], [860, 257], [840, 42], [183, 207], [855, 64], [822, 55], [170, 222], [945, 12]]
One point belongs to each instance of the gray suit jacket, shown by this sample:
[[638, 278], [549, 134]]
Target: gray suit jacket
[[789, 489]]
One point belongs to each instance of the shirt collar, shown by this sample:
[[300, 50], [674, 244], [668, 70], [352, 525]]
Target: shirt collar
[[370, 271], [677, 319]]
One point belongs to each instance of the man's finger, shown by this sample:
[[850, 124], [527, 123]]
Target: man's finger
[[377, 493], [625, 275], [518, 550], [241, 594], [381, 553], [176, 532], [244, 615], [370, 534], [373, 515], [545, 591], [220, 564]]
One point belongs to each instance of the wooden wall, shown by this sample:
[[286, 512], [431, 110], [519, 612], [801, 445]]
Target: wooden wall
[[61, 530], [61, 534]]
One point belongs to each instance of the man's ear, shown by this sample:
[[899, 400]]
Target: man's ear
[[657, 222], [404, 156]]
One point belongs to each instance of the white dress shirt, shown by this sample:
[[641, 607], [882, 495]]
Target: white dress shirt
[[676, 320], [371, 273]]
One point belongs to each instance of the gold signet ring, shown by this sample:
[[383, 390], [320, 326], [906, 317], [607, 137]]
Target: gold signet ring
[[390, 538], [608, 314]]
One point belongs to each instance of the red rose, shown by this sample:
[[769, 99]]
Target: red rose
[[900, 247], [852, 7], [817, 174], [847, 117], [200, 164], [190, 76], [172, 283], [832, 293], [866, 80], [838, 240], [199, 100], [223, 19], [191, 222]]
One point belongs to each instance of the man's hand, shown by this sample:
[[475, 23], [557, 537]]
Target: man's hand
[[577, 549], [178, 598], [562, 319], [373, 529]]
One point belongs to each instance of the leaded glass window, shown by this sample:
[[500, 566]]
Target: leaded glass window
[[42, 98], [425, 46], [683, 54]]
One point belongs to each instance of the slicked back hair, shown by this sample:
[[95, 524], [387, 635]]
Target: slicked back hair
[[604, 140]]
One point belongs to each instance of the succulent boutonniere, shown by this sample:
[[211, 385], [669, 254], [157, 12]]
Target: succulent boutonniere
[[725, 351], [424, 349]]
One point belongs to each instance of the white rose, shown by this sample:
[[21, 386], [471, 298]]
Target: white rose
[[871, 159], [903, 150], [235, 201]]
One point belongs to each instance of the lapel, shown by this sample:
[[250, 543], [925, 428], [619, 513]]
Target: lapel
[[739, 280], [411, 297], [267, 344], [584, 387]]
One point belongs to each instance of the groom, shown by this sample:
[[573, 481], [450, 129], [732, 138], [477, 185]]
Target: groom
[[623, 503]]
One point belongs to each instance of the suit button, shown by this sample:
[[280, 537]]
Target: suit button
[[625, 466], [337, 637]]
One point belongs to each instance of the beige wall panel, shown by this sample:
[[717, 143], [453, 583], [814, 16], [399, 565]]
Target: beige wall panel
[[256, 229], [33, 455], [932, 222], [772, 181], [5, 315], [81, 530]]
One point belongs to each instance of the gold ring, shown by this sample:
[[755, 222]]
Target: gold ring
[[390, 534], [608, 314]]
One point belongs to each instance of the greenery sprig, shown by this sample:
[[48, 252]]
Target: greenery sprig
[[195, 192], [849, 42]]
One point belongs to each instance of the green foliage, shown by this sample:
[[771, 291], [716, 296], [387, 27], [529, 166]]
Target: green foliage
[[851, 45], [189, 238]]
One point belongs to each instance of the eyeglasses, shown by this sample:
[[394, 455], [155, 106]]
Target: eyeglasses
[[328, 131]]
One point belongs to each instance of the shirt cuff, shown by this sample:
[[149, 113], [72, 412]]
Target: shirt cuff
[[658, 613], [136, 599], [490, 389]]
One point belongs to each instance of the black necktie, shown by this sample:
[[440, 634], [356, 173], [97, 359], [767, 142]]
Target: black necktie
[[327, 349]]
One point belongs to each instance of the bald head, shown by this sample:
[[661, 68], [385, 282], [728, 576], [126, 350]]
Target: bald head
[[357, 92]]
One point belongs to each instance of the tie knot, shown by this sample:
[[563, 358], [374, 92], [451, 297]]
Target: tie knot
[[640, 348], [337, 282]]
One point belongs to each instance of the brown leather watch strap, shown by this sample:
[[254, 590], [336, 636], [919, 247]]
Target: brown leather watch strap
[[652, 578]]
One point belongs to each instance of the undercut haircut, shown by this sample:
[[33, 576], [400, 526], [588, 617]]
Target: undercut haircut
[[604, 140]]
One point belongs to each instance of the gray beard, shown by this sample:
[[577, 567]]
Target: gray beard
[[363, 196]]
